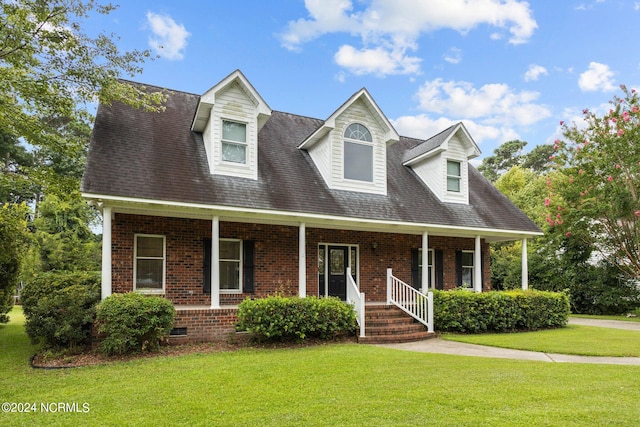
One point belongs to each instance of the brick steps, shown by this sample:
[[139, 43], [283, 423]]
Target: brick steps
[[389, 324]]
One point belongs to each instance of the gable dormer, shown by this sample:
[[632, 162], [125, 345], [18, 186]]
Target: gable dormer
[[350, 148], [441, 162], [230, 115]]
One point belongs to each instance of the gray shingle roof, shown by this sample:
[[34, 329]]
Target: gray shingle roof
[[156, 156]]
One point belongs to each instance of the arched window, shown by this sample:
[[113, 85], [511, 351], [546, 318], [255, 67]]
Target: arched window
[[358, 153]]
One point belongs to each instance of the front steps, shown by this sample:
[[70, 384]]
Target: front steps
[[388, 324]]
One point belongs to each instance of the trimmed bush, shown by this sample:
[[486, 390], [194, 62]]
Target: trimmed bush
[[280, 318], [470, 312], [134, 322], [59, 307]]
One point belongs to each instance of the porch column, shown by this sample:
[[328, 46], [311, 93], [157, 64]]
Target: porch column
[[215, 262], [302, 261], [477, 266], [525, 266], [106, 252], [424, 285]]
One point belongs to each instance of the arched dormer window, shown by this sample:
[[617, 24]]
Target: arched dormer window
[[358, 153]]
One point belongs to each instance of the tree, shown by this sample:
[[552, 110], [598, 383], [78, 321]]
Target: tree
[[50, 69], [504, 157], [64, 237], [595, 196], [13, 243]]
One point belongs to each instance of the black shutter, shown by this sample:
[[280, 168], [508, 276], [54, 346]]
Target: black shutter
[[415, 268], [248, 248], [458, 268], [206, 266], [439, 266]]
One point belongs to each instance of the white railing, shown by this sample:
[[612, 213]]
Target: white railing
[[413, 302], [355, 297]]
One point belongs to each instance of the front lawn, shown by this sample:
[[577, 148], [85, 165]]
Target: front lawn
[[345, 384], [573, 339]]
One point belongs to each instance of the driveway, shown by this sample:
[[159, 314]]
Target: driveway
[[438, 345]]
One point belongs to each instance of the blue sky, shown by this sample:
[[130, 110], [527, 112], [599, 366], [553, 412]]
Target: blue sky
[[508, 69]]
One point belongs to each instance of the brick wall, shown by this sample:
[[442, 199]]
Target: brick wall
[[205, 325], [276, 256], [276, 263]]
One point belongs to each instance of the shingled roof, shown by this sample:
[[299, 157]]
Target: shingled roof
[[156, 156]]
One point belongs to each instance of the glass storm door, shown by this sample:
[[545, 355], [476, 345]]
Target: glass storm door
[[338, 259]]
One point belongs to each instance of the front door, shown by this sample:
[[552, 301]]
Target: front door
[[338, 259]]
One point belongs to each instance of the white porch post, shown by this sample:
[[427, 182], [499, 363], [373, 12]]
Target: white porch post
[[106, 252], [302, 262], [424, 285], [525, 266], [477, 266], [215, 262]]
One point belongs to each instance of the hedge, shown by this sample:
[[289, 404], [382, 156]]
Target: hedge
[[294, 318], [59, 307], [470, 312], [133, 322]]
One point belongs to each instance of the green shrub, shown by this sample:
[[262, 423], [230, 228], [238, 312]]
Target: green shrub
[[280, 318], [470, 312], [133, 322], [59, 307]]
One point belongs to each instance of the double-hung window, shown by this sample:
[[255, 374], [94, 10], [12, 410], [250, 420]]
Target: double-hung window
[[230, 265], [467, 269], [234, 142], [454, 176], [430, 269], [358, 153], [149, 264]]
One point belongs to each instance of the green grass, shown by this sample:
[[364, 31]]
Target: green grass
[[319, 386], [573, 339], [605, 317]]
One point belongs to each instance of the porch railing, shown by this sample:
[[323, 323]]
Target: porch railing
[[413, 302], [355, 297]]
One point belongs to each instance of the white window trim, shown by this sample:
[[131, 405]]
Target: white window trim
[[229, 141], [240, 268], [361, 142], [472, 268], [135, 264], [458, 177], [432, 276]]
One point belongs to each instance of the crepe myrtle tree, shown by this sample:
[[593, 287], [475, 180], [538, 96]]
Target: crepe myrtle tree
[[595, 194]]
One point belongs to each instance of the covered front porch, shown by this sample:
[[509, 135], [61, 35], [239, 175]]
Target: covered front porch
[[207, 264]]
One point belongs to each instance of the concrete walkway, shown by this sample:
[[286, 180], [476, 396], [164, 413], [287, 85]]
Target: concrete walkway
[[437, 345]]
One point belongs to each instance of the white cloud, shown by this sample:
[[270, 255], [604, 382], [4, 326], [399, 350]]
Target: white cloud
[[377, 61], [534, 72], [169, 39], [597, 78], [391, 28], [453, 56], [422, 127], [492, 103]]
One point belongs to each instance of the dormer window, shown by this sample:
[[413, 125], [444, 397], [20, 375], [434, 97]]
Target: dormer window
[[358, 153], [234, 142], [454, 176]]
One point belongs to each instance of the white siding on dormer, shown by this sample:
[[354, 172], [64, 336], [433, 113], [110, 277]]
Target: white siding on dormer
[[429, 171], [456, 152], [321, 155], [433, 172], [358, 113], [234, 105]]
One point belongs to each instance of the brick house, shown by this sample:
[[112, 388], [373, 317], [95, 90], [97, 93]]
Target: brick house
[[219, 198]]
